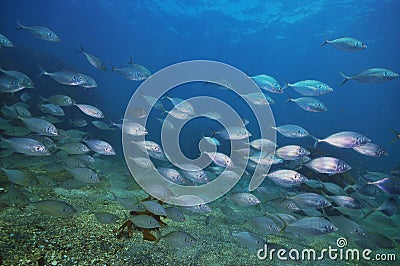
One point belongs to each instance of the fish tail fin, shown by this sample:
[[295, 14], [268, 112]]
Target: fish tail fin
[[285, 85], [346, 78], [212, 132], [130, 60], [42, 71], [112, 68], [289, 99], [317, 140], [324, 43], [20, 26], [285, 225], [82, 51], [397, 136]]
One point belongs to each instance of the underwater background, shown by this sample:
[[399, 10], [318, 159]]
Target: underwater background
[[281, 39]]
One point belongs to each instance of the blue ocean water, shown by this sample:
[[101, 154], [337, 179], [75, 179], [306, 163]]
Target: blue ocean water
[[278, 38]]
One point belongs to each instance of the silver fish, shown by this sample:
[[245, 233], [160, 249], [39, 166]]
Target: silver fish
[[40, 126], [263, 144], [10, 84], [55, 208], [5, 42], [20, 177], [287, 178], [85, 175], [94, 60], [100, 146], [106, 217], [145, 221], [175, 214], [345, 139], [132, 128], [154, 207], [348, 44], [52, 109], [371, 149], [250, 240], [372, 75], [181, 105], [194, 173], [265, 224], [234, 133], [133, 72], [310, 200], [64, 77], [310, 87], [244, 199], [267, 83], [172, 175], [142, 162], [88, 82], [26, 81], [74, 148], [292, 131], [179, 239], [220, 159], [309, 104], [60, 100], [258, 98], [102, 125], [346, 202], [313, 226], [328, 165], [40, 32], [291, 152], [90, 110]]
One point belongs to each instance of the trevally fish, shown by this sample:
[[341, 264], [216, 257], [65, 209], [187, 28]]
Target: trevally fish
[[175, 214], [154, 207], [74, 148], [292, 131], [310, 200], [389, 185], [371, 149], [90, 110], [64, 77], [345, 139], [310, 87], [85, 175], [148, 145], [263, 144], [267, 83], [40, 32], [244, 199], [59, 99], [5, 42], [100, 146], [106, 217], [26, 81], [27, 146], [309, 104], [10, 84], [144, 221], [132, 128], [346, 202], [348, 44], [287, 178], [133, 72], [258, 98], [312, 226], [142, 162], [93, 60], [372, 75], [20, 177], [250, 240], [102, 125], [40, 126], [220, 159], [328, 165], [178, 239], [182, 105], [52, 109], [234, 133], [172, 175], [55, 208], [291, 152]]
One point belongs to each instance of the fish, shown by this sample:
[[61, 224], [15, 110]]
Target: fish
[[194, 173], [350, 228], [234, 133], [310, 200], [263, 144], [88, 82], [181, 105], [93, 60], [64, 77], [21, 178], [79, 122], [133, 72], [220, 159], [154, 207], [212, 115], [291, 152], [55, 208], [27, 146], [333, 188], [389, 185], [265, 225], [175, 214], [371, 149], [397, 134], [14, 196], [144, 221], [59, 99], [40, 126], [250, 240], [85, 175], [74, 148], [344, 139], [142, 162], [178, 239], [310, 87], [132, 128], [51, 109], [287, 178], [106, 217], [267, 83], [100, 146], [371, 75], [292, 131], [258, 98], [10, 85], [41, 32], [328, 165], [25, 96], [102, 125], [312, 226], [309, 104], [26, 81], [348, 44], [212, 141], [172, 175], [138, 112], [90, 110], [148, 145], [244, 199], [5, 42], [346, 202]]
